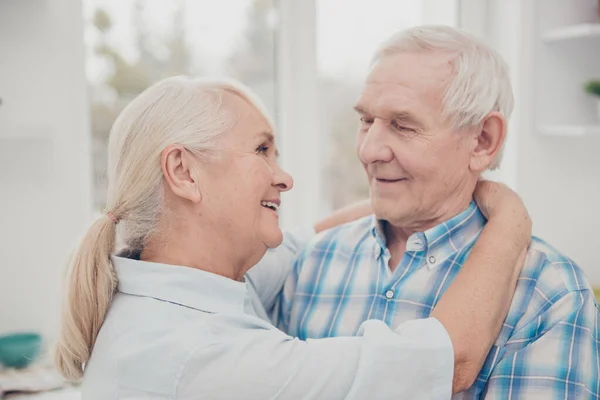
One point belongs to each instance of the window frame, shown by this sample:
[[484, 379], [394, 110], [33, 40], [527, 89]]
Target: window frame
[[300, 135]]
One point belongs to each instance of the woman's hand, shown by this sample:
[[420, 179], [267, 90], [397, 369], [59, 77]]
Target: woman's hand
[[494, 198], [347, 214], [499, 203]]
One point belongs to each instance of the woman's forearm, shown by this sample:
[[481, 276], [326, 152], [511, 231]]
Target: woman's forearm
[[344, 215], [476, 303]]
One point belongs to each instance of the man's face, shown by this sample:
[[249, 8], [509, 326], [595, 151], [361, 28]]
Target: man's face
[[416, 163]]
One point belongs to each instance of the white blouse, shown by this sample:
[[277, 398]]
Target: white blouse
[[174, 332]]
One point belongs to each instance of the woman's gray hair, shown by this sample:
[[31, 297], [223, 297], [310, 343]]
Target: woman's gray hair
[[481, 82], [177, 110]]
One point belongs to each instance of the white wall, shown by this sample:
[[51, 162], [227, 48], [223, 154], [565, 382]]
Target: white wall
[[44, 157], [558, 177], [45, 168], [440, 12], [503, 37]]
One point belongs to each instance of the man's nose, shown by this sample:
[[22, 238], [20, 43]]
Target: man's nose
[[374, 147]]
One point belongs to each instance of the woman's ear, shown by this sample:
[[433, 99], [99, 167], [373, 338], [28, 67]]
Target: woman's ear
[[490, 140], [178, 167]]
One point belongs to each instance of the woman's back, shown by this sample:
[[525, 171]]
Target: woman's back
[[180, 333], [150, 331]]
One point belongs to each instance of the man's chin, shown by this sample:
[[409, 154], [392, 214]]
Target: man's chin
[[391, 214]]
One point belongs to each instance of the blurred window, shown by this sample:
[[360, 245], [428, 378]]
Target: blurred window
[[131, 44], [348, 33]]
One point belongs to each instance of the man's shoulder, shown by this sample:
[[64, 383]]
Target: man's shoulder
[[555, 273]]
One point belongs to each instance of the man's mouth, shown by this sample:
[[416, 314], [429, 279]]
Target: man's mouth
[[269, 204], [381, 180]]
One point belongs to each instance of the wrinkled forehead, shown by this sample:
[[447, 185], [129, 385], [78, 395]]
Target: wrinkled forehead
[[408, 77], [406, 67]]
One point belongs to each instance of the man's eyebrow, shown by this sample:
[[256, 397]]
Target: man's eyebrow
[[360, 109], [404, 116], [407, 117]]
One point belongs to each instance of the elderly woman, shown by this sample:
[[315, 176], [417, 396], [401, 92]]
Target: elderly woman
[[194, 187]]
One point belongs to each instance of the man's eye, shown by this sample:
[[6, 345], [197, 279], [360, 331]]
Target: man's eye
[[262, 149], [366, 121], [399, 127]]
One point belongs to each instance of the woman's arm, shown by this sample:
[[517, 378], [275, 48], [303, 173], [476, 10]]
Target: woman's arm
[[343, 215], [268, 276], [475, 305], [415, 361]]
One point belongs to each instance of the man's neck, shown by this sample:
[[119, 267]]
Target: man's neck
[[397, 235]]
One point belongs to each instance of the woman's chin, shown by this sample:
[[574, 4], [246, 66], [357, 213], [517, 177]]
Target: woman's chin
[[273, 239]]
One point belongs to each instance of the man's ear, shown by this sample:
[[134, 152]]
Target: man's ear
[[177, 165], [489, 141]]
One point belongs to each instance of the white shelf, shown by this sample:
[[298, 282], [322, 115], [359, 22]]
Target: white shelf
[[572, 32], [570, 130]]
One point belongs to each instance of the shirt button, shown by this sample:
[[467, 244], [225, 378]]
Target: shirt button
[[389, 294], [432, 260]]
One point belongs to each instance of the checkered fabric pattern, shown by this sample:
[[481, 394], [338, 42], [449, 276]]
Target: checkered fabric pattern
[[549, 344]]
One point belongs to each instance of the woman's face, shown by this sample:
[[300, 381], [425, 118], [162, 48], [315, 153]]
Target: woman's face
[[243, 182]]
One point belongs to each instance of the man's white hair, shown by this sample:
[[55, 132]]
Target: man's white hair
[[481, 81]]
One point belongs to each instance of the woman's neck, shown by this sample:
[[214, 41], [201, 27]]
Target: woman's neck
[[201, 249]]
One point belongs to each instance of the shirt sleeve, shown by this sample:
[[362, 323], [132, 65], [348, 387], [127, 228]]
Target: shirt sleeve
[[280, 313], [555, 355], [268, 276], [413, 362]]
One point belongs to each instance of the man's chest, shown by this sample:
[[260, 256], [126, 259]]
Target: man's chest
[[333, 300]]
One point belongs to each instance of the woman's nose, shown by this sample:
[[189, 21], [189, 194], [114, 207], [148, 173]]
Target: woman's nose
[[283, 180]]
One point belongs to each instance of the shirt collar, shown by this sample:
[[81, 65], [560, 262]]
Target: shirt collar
[[188, 287], [441, 241]]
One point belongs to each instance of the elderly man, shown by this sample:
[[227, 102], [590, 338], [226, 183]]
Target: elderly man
[[433, 118]]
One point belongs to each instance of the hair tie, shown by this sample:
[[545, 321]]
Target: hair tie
[[111, 216]]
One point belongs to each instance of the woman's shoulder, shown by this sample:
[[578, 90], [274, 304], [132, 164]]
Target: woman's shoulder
[[146, 343], [146, 357]]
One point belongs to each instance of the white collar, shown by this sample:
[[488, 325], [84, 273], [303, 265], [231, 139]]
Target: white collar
[[188, 287]]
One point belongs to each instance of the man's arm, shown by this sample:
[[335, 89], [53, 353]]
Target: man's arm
[[554, 355]]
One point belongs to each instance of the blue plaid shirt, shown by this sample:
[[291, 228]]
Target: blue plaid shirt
[[548, 347]]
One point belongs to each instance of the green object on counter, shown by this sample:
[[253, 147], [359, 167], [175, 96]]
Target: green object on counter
[[18, 350], [593, 88]]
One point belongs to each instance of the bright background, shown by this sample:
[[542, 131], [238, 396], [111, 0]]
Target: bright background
[[67, 68]]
